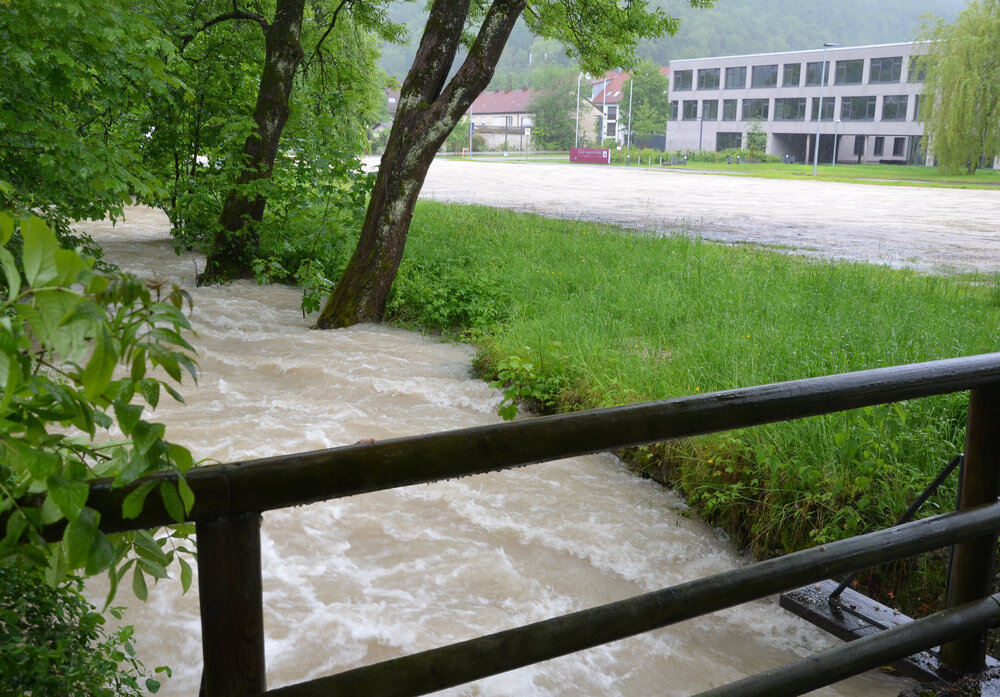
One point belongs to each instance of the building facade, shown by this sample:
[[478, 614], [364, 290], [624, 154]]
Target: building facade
[[609, 96], [870, 103], [503, 118]]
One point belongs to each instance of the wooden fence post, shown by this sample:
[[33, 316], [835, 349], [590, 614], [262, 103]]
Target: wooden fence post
[[232, 613], [971, 574]]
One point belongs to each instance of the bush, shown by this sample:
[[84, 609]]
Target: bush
[[53, 642]]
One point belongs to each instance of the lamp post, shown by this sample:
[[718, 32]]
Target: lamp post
[[819, 111], [629, 134], [576, 134], [836, 126]]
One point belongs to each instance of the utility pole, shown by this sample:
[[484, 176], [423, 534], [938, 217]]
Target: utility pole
[[819, 112], [629, 135]]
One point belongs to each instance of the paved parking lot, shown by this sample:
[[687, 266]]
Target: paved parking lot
[[919, 227]]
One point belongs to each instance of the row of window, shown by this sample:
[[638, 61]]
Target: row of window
[[727, 140], [846, 72], [894, 108]]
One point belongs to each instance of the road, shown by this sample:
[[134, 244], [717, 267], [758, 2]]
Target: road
[[946, 230]]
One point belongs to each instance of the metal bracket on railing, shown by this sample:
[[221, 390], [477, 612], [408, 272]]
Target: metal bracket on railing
[[909, 513]]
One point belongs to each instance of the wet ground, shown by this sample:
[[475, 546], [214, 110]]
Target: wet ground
[[935, 229]]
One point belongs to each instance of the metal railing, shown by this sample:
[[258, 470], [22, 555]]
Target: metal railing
[[229, 499]]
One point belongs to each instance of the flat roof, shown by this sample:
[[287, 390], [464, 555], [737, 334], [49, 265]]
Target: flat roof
[[801, 50]]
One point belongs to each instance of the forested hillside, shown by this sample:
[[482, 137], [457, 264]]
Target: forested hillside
[[731, 27]]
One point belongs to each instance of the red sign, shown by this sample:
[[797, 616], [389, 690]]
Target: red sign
[[592, 155]]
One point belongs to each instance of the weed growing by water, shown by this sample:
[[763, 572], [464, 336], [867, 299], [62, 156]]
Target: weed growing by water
[[586, 315]]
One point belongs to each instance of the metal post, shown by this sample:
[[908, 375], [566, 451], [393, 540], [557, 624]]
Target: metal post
[[576, 133], [819, 111], [604, 115], [629, 134], [232, 613], [701, 125], [836, 126], [972, 563]]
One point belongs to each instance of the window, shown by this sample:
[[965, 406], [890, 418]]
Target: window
[[849, 72], [682, 80], [792, 75], [857, 108], [917, 70], [527, 121], [886, 69], [690, 112], [898, 145], [894, 107], [859, 145], [764, 76], [828, 104], [725, 141], [612, 112], [728, 109], [710, 109], [917, 104], [736, 78], [879, 145], [499, 120], [755, 108], [672, 113], [790, 109], [813, 73], [708, 79]]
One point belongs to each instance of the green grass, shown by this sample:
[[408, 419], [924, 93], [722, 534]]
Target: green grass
[[572, 315], [910, 175]]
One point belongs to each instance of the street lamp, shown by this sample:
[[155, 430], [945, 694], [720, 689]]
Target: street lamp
[[819, 111], [576, 135], [836, 125]]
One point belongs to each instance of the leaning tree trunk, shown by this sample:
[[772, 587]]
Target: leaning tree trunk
[[428, 111], [237, 237]]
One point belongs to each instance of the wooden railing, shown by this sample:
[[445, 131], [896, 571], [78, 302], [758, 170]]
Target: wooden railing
[[230, 498]]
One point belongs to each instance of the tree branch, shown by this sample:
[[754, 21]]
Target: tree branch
[[329, 29], [235, 14]]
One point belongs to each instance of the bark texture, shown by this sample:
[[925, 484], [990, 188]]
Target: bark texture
[[428, 111], [237, 238]]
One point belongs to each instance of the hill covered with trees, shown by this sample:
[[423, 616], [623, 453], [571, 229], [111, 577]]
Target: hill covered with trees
[[731, 27]]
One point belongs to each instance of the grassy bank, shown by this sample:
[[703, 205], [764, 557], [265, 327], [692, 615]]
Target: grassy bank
[[574, 315], [889, 175]]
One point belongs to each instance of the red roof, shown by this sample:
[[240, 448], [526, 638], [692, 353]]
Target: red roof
[[502, 102], [615, 82]]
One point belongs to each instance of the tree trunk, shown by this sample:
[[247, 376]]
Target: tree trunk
[[237, 237], [427, 113]]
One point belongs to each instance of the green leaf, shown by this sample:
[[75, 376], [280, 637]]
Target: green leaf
[[186, 575], [11, 272], [39, 252], [69, 264], [102, 555], [145, 434], [128, 415], [79, 537], [153, 568], [187, 496], [181, 457], [139, 585], [6, 227], [132, 505], [172, 502], [150, 389], [68, 495], [96, 375]]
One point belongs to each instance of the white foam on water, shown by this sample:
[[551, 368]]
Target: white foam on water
[[354, 581]]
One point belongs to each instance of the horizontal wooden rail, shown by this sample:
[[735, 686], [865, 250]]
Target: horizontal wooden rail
[[868, 653], [291, 480], [459, 663]]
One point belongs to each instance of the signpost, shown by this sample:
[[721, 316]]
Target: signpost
[[601, 156]]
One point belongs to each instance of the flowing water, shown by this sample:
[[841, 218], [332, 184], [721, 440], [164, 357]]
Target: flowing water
[[359, 580]]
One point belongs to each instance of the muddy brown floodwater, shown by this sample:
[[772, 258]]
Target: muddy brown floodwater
[[359, 580], [917, 227]]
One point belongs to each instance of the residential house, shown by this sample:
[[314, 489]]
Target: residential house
[[609, 94]]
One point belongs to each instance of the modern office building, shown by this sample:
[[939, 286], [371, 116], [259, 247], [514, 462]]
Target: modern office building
[[870, 103]]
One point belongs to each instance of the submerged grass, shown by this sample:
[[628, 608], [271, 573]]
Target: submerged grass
[[572, 315]]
